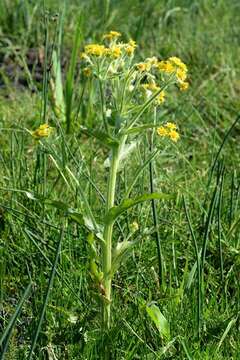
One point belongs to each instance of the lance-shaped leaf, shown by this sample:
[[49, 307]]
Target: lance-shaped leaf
[[159, 320], [121, 253], [126, 151], [101, 136], [126, 204], [139, 129], [79, 217]]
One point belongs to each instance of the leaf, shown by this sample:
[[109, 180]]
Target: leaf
[[126, 204], [124, 154], [228, 328], [78, 217], [57, 204], [57, 88], [10, 327], [70, 82], [139, 129], [121, 253], [101, 136], [30, 195], [159, 320], [126, 151]]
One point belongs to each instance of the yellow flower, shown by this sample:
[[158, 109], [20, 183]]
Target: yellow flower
[[112, 35], [151, 86], [153, 61], [169, 130], [175, 60], [162, 131], [95, 49], [171, 126], [83, 56], [134, 226], [115, 51], [166, 66], [181, 74], [184, 85], [160, 98], [174, 135], [143, 67], [132, 43], [87, 72], [130, 47], [43, 130]]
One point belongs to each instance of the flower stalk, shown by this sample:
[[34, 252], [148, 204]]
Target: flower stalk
[[107, 235]]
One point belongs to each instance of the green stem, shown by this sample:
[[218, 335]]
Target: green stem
[[107, 235], [154, 208]]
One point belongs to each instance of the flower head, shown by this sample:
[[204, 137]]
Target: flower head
[[151, 86], [134, 226], [87, 72], [95, 49], [162, 131], [174, 135], [130, 47], [43, 130], [165, 66], [112, 35], [143, 66], [160, 98], [171, 126], [181, 74], [169, 130], [184, 86], [178, 62], [115, 51]]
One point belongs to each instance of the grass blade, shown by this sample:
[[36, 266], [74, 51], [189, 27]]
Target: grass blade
[[10, 327], [50, 284], [70, 74]]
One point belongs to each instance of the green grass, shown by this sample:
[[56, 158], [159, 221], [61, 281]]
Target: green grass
[[202, 309]]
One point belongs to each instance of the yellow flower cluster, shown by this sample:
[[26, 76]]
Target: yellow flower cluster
[[169, 130], [43, 130], [160, 98], [95, 50], [113, 58], [175, 65], [130, 47], [152, 87], [112, 35], [114, 50], [143, 66]]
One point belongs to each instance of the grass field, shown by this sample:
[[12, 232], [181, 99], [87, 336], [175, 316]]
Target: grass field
[[175, 291]]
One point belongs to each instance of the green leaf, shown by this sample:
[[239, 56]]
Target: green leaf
[[30, 195], [126, 150], [57, 88], [57, 204], [70, 83], [10, 327], [139, 129], [101, 136], [126, 204], [78, 217], [121, 253], [159, 320]]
